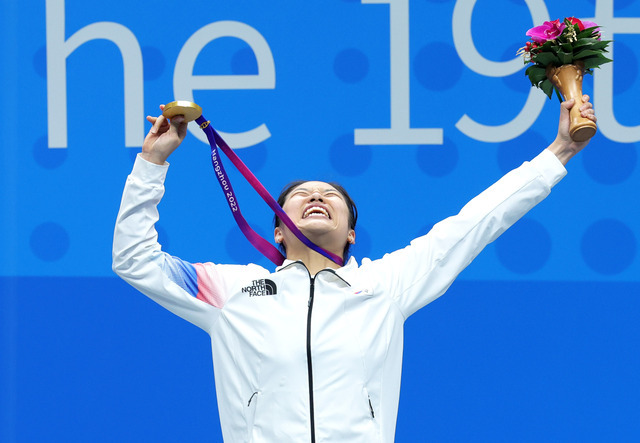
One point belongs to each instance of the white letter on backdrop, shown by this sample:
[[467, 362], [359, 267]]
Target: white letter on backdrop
[[603, 77], [463, 40], [57, 52], [400, 133], [184, 82]]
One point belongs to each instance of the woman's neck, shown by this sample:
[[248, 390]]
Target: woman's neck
[[314, 261]]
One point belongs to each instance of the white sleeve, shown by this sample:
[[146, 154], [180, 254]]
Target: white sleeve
[[138, 259], [420, 273]]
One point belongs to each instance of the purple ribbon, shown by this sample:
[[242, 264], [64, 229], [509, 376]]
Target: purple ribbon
[[262, 245]]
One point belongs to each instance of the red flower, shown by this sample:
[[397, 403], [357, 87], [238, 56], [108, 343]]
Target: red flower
[[575, 21]]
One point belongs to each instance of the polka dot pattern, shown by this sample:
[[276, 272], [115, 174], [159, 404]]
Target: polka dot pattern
[[243, 62], [255, 158], [428, 75], [525, 247], [438, 160], [349, 159], [40, 62], [154, 63], [351, 65], [46, 157], [624, 78], [609, 246], [49, 241], [608, 169], [513, 153]]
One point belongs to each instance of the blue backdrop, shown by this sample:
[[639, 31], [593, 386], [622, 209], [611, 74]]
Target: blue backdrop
[[415, 106]]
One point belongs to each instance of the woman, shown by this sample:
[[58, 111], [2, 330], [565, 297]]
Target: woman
[[313, 351]]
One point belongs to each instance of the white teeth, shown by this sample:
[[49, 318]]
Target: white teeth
[[315, 210]]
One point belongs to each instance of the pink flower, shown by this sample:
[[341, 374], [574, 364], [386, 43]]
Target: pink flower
[[547, 31], [588, 25]]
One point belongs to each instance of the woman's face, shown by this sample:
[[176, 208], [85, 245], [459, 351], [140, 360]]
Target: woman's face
[[320, 212]]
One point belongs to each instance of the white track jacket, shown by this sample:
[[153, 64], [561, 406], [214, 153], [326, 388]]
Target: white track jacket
[[300, 358]]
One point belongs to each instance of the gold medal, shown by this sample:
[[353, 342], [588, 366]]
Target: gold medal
[[190, 110]]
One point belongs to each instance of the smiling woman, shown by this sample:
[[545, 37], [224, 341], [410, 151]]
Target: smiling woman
[[329, 189], [313, 350]]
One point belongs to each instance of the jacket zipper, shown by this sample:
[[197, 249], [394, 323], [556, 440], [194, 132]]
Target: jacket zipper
[[309, 362]]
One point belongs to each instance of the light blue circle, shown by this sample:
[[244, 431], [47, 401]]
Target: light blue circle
[[154, 63], [243, 62], [255, 157], [347, 158], [608, 162], [351, 65], [525, 247], [362, 247], [49, 241], [513, 153], [438, 161], [46, 157], [427, 62], [608, 246], [40, 62]]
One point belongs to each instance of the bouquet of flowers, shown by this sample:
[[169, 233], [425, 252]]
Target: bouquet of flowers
[[557, 43]]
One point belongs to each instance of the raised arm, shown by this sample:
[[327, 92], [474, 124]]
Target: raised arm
[[423, 271], [563, 146], [191, 291]]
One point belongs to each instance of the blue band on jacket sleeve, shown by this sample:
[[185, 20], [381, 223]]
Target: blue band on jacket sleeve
[[181, 273]]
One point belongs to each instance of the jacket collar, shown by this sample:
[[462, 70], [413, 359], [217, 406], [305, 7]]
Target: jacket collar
[[341, 273]]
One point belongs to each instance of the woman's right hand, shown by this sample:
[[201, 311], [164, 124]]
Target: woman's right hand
[[163, 138]]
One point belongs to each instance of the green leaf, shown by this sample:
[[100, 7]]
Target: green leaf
[[566, 47], [565, 58], [547, 87], [583, 42], [589, 32], [546, 58], [600, 45], [536, 74], [546, 46], [595, 62], [586, 53]]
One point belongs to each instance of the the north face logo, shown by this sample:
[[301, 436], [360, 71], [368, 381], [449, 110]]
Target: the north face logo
[[261, 287]]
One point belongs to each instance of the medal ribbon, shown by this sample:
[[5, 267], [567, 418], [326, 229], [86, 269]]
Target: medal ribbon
[[262, 245]]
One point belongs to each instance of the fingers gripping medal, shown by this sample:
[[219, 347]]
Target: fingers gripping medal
[[191, 112]]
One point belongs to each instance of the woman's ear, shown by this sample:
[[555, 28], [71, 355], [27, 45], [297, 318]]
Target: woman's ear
[[351, 237], [277, 235]]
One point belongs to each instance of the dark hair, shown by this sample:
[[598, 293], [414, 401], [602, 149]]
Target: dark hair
[[353, 211]]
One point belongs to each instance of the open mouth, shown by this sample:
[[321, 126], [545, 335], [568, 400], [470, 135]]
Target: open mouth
[[316, 211]]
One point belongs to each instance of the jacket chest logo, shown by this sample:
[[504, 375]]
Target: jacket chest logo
[[262, 287]]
